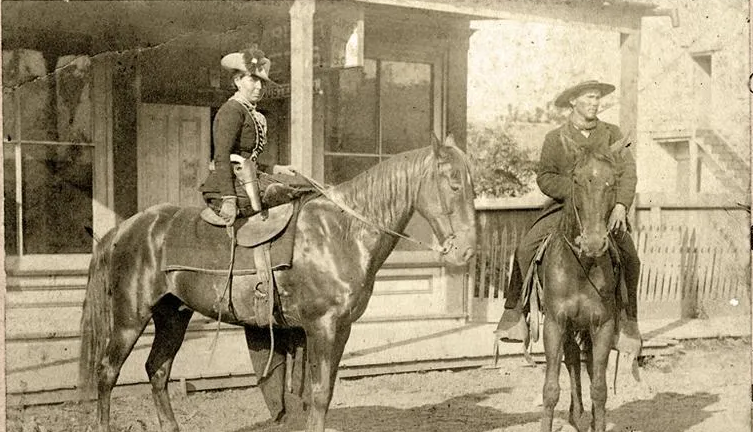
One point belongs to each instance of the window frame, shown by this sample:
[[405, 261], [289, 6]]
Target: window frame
[[436, 59], [103, 218]]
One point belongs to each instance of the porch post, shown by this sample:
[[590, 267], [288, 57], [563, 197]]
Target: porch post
[[301, 85], [630, 48]]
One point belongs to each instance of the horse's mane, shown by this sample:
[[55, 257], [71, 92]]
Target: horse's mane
[[397, 178]]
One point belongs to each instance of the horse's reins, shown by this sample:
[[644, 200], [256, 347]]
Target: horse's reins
[[228, 289], [348, 209]]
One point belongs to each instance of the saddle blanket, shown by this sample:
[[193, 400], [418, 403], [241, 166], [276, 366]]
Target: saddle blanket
[[193, 244]]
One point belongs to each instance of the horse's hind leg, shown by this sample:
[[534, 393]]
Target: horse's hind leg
[[118, 348], [553, 334], [572, 362], [169, 329]]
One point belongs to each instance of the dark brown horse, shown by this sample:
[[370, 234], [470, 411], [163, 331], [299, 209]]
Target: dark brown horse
[[335, 261], [580, 302]]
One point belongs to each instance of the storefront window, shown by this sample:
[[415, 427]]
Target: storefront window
[[383, 109], [48, 155], [389, 106], [405, 100]]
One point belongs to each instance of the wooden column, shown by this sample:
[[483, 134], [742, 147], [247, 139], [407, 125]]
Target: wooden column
[[301, 85], [457, 83], [630, 50], [102, 124]]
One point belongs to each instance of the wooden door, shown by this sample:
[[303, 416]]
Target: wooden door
[[173, 152]]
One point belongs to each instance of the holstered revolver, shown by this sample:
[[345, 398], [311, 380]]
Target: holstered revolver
[[245, 170]]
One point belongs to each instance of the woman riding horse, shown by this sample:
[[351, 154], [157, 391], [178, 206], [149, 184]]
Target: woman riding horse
[[583, 130], [341, 241], [239, 129]]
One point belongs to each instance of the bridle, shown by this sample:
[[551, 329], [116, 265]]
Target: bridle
[[575, 248], [448, 242]]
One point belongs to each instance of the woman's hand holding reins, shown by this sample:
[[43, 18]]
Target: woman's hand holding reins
[[229, 209]]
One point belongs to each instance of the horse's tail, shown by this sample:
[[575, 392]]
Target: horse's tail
[[96, 318]]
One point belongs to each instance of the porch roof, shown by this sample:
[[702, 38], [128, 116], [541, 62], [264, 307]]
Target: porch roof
[[92, 27], [618, 15]]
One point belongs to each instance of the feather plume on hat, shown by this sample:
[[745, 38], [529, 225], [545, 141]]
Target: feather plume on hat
[[252, 61]]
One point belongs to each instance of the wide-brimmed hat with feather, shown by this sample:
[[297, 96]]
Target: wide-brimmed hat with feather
[[251, 60], [564, 98]]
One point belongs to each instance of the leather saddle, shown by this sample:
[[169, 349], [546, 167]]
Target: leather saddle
[[257, 229]]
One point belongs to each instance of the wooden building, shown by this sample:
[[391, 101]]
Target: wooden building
[[107, 109]]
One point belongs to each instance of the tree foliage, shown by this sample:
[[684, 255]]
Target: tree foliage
[[500, 167]]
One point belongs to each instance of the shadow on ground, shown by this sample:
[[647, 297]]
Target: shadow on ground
[[666, 412]]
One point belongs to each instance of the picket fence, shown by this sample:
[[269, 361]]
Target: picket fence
[[690, 271]]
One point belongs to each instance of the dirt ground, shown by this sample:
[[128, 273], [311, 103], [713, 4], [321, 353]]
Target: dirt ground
[[705, 386]]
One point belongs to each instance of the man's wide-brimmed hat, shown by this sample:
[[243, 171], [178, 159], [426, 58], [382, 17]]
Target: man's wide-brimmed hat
[[564, 98], [251, 60]]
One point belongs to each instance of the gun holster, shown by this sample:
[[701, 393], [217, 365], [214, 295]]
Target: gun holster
[[245, 171]]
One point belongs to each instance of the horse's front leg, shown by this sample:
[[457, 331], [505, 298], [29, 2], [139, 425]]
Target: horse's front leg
[[572, 362], [326, 341], [602, 339], [553, 335]]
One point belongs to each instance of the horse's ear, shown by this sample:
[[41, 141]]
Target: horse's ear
[[450, 141], [623, 143], [440, 151]]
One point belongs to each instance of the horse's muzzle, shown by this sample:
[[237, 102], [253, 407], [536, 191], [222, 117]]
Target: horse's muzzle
[[592, 246]]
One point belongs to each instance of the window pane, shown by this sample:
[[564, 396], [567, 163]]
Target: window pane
[[57, 107], [405, 99], [37, 112], [9, 116], [9, 193], [356, 117], [57, 198], [73, 100], [338, 169]]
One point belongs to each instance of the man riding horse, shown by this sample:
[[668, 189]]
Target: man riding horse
[[239, 129], [583, 130]]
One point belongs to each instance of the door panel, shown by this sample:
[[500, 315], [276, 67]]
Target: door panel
[[173, 153]]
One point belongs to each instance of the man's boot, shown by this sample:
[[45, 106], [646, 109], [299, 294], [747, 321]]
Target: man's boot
[[512, 325], [629, 339]]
